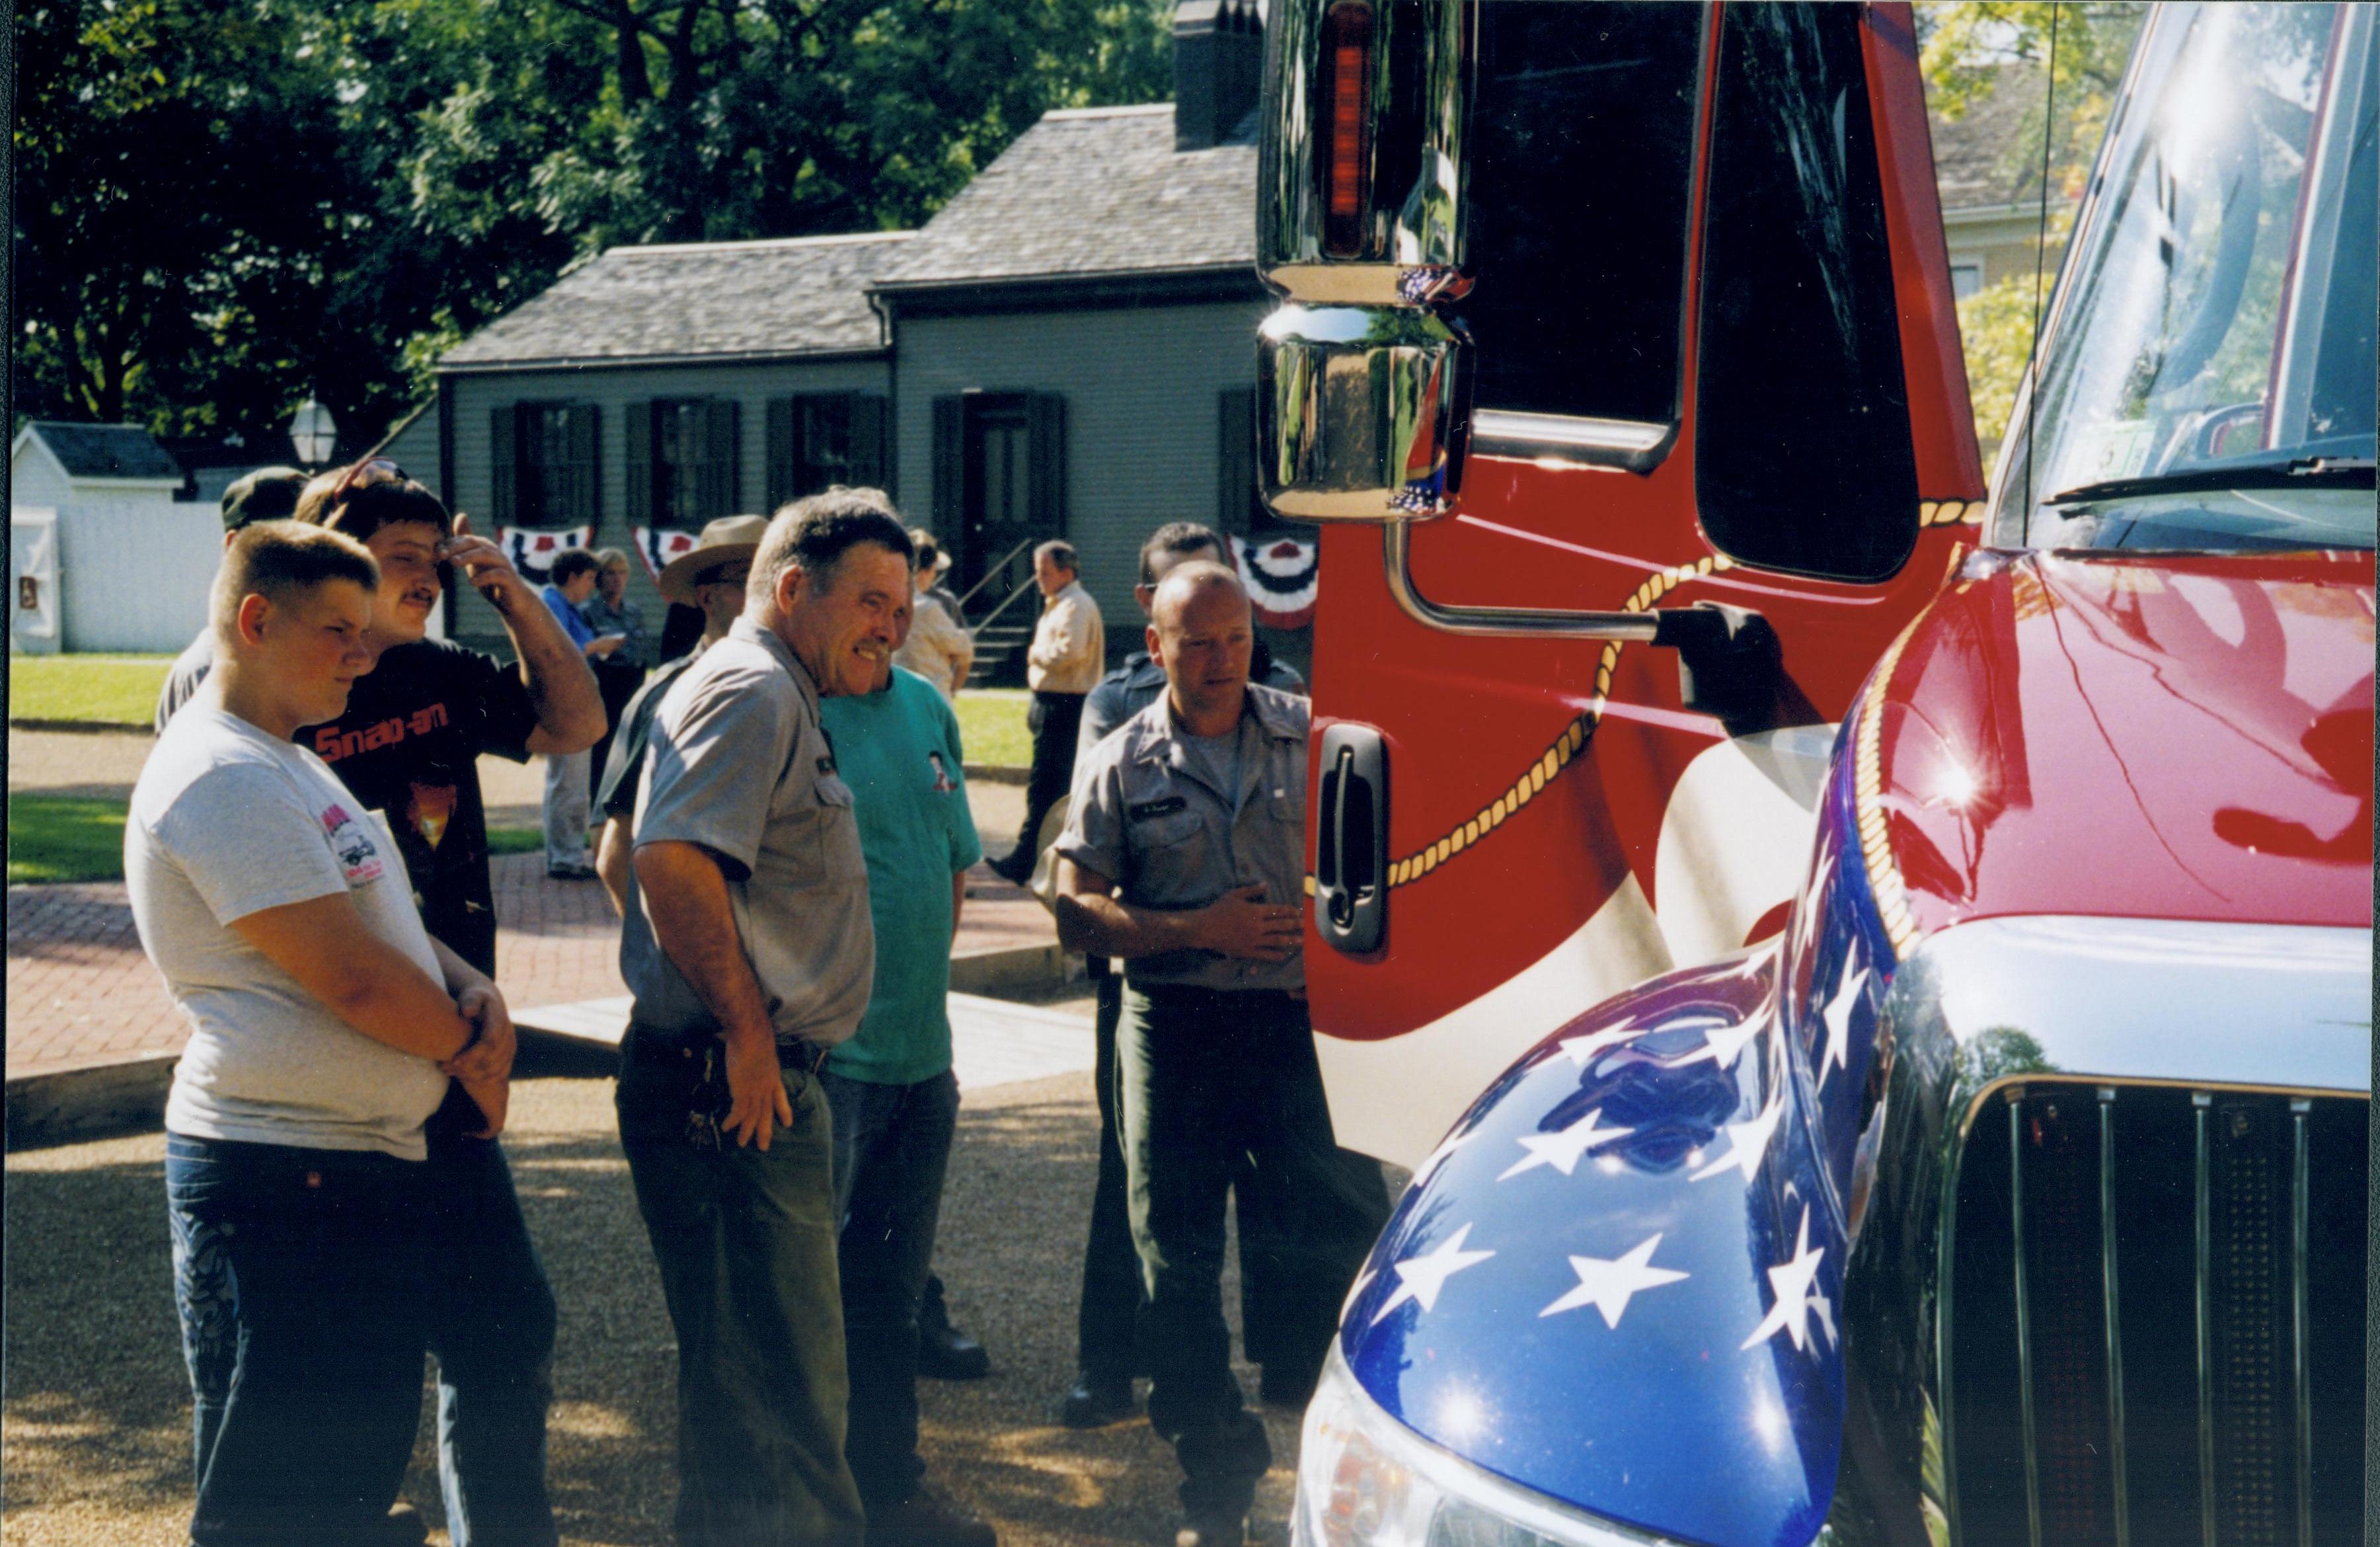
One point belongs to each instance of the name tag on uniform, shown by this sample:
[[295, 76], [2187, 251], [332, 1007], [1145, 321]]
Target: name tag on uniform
[[1148, 809]]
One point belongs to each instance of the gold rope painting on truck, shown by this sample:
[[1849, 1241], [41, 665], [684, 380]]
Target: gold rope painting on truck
[[1575, 734], [1565, 747], [1867, 775]]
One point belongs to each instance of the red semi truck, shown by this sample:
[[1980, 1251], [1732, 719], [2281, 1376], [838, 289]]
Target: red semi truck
[[1875, 979]]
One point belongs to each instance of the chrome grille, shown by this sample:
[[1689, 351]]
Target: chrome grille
[[2154, 1321]]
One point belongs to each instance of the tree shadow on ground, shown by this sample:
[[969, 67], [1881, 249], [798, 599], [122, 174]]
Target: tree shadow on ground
[[97, 1409]]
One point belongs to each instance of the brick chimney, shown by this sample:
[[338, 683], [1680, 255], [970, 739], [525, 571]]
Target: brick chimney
[[1218, 62]]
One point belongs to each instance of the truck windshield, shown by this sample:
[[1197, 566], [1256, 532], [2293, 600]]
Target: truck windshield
[[2209, 384]]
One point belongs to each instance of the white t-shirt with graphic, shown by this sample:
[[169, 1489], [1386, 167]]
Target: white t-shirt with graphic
[[227, 822]]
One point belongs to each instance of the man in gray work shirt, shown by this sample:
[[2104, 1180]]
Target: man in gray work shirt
[[748, 949], [1276, 1315], [1184, 856]]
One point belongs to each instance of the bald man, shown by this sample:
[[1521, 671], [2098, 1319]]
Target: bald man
[[1184, 856]]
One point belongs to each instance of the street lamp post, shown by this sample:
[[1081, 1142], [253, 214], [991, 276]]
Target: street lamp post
[[313, 434]]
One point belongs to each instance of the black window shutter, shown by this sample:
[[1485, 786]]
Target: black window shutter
[[722, 454], [504, 467], [1236, 464], [586, 468], [870, 456], [785, 450], [1045, 431], [637, 441], [950, 466]]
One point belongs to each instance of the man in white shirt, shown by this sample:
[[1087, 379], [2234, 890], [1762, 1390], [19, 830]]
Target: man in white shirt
[[326, 1023], [1068, 652]]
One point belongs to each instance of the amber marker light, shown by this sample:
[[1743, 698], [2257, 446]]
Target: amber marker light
[[1347, 119]]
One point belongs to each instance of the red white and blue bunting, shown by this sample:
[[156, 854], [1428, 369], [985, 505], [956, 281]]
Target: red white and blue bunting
[[1281, 575], [534, 548], [658, 545]]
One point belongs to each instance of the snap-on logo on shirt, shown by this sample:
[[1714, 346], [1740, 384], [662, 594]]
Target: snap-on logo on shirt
[[359, 858]]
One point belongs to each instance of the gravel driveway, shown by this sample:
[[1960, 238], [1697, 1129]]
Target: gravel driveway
[[97, 1412]]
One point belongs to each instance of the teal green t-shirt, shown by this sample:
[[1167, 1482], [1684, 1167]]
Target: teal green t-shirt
[[899, 751]]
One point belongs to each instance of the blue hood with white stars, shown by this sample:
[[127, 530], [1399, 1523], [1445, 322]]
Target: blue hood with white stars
[[1616, 1282]]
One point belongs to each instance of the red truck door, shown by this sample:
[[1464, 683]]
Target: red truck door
[[1592, 313]]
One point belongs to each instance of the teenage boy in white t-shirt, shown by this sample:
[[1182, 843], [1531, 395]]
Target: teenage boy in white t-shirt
[[325, 1024]]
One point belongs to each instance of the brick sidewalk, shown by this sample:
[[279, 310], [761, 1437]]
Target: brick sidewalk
[[81, 992]]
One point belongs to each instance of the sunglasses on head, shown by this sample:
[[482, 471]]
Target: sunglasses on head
[[364, 474]]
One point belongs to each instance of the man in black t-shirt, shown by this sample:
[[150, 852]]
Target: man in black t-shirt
[[408, 746]]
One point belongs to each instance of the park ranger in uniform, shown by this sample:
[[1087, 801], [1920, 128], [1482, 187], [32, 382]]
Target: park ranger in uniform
[[1183, 856], [1275, 1311]]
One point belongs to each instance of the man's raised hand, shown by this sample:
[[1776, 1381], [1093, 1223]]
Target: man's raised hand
[[483, 563]]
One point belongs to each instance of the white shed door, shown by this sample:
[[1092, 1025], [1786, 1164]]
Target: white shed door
[[33, 576]]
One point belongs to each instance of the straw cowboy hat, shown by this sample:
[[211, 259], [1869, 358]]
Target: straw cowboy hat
[[723, 542]]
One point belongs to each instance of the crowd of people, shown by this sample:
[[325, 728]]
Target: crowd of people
[[781, 821]]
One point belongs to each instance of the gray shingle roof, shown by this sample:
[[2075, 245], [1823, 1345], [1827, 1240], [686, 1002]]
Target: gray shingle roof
[[1090, 191], [803, 295], [1979, 157], [107, 450]]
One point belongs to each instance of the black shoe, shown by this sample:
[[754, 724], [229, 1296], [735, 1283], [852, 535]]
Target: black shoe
[[403, 1526], [944, 1353], [923, 1520], [1010, 871], [1213, 1530], [1098, 1401]]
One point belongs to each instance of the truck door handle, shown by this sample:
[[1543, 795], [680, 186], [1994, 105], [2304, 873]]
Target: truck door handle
[[1351, 840]]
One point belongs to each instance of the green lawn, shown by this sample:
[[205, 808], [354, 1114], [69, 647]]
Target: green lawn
[[991, 726], [54, 837], [102, 690]]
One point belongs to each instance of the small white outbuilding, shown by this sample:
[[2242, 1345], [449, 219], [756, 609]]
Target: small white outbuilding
[[102, 557]]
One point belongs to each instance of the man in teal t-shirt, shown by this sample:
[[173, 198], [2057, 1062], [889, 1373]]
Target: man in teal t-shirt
[[894, 1098]]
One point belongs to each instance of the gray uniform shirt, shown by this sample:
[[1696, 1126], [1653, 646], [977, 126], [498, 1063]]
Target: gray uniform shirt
[[1145, 816], [739, 764]]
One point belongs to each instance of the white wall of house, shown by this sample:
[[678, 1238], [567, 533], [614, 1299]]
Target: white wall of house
[[134, 565]]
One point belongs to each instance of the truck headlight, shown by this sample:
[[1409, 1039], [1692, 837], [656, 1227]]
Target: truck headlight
[[1365, 1480]]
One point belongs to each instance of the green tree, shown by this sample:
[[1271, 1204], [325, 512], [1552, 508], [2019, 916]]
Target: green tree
[[1969, 50]]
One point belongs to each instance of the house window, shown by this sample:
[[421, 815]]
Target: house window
[[823, 439], [684, 458], [1966, 279], [557, 464], [543, 459]]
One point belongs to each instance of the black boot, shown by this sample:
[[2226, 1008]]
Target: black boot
[[944, 1353]]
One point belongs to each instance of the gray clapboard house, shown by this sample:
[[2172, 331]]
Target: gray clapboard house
[[1065, 349]]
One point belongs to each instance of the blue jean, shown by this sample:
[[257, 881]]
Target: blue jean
[[299, 1276], [492, 1327], [891, 1151], [744, 1241]]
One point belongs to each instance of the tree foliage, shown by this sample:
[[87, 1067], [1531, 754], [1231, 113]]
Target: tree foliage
[[226, 205], [1969, 50]]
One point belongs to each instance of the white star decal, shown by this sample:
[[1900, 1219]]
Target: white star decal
[[1583, 1049], [1807, 919], [1792, 1281], [1420, 1278], [1438, 1157], [1561, 1150], [1608, 1285], [1838, 1017], [1750, 1141], [1722, 1044]]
